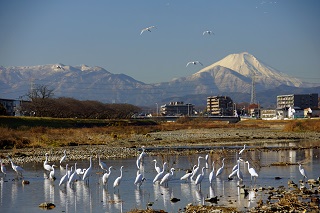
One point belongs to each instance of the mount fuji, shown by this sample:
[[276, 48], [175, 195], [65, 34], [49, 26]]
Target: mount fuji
[[230, 76]]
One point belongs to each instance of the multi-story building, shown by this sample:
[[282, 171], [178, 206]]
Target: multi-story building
[[220, 105], [297, 100], [177, 109], [11, 106]]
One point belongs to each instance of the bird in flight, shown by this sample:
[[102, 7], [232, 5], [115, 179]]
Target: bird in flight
[[147, 29], [194, 62], [209, 32]]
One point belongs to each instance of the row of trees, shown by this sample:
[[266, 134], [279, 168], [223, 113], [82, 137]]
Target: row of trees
[[72, 108], [42, 104]]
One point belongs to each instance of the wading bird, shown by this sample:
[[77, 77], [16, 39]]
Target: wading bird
[[160, 175], [63, 157], [88, 172], [118, 180], [157, 168], [211, 174], [200, 178], [242, 150], [16, 168], [105, 176], [167, 177], [220, 170], [139, 179], [102, 165], [252, 171], [65, 177], [3, 168], [302, 172]]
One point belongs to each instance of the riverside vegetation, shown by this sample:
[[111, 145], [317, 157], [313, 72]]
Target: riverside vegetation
[[19, 134]]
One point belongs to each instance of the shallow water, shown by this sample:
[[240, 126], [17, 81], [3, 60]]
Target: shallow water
[[94, 197]]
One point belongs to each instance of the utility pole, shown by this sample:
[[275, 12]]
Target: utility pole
[[253, 90]]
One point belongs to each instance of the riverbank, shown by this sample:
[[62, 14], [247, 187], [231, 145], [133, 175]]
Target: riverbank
[[179, 142]]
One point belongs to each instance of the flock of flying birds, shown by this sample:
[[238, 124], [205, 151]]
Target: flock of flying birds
[[206, 32], [162, 176]]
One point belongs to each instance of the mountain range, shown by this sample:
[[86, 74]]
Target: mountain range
[[232, 76]]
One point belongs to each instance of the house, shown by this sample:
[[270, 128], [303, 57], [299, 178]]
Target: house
[[12, 106]]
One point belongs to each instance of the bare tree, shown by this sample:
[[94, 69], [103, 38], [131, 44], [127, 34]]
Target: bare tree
[[40, 92]]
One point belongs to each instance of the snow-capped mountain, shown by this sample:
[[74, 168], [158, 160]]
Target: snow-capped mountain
[[247, 65], [232, 74]]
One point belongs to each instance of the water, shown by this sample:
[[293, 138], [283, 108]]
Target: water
[[94, 197]]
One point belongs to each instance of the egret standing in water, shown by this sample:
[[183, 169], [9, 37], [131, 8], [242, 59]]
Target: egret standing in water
[[200, 178], [52, 175], [16, 168], [220, 170], [195, 171], [118, 180], [139, 179], [105, 176], [63, 157], [3, 168], [160, 175], [252, 171], [302, 172], [211, 174], [102, 165], [88, 172], [188, 174], [65, 177], [242, 150], [157, 168], [167, 177]]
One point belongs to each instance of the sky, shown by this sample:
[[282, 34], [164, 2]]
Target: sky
[[284, 34]]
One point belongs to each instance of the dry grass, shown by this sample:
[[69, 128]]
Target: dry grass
[[35, 137]]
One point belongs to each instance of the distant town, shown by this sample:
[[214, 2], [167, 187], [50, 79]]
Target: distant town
[[288, 107]]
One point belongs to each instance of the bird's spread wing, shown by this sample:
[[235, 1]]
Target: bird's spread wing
[[199, 63], [188, 63]]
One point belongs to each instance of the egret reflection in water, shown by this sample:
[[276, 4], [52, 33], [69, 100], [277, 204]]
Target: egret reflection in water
[[95, 197]]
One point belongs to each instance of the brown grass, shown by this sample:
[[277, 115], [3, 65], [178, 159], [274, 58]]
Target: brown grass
[[56, 137]]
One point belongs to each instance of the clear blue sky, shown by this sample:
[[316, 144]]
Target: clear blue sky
[[284, 34]]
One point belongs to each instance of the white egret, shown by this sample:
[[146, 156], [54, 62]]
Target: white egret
[[118, 180], [139, 179], [141, 157], [80, 171], [233, 173], [242, 150], [200, 178], [102, 165], [211, 174], [64, 178], [207, 160], [188, 174], [167, 177], [51, 174], [236, 166], [16, 168], [252, 171], [88, 171], [105, 176], [69, 172], [220, 170], [209, 32], [74, 176], [46, 166], [63, 158], [3, 168], [194, 63], [160, 175], [239, 173], [196, 169], [302, 171], [147, 29], [157, 168]]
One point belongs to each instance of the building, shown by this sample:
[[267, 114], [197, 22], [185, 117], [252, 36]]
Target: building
[[268, 114], [12, 106], [302, 101], [177, 109], [220, 105]]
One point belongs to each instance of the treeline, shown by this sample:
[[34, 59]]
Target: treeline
[[72, 108]]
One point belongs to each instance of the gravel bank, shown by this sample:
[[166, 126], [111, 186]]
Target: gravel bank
[[180, 141]]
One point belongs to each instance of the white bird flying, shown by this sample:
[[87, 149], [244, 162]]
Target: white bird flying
[[147, 29], [209, 32], [194, 63]]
